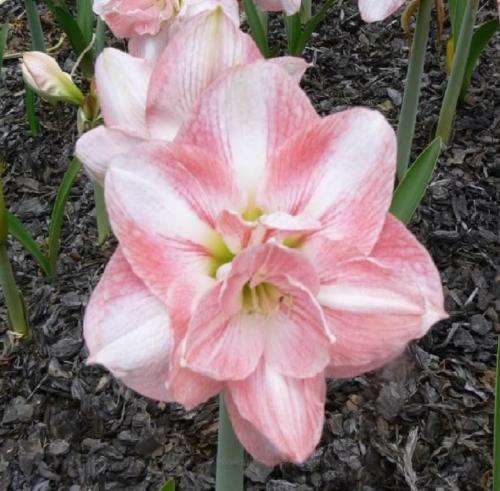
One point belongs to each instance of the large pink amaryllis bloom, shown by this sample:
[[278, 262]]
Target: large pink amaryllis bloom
[[141, 100], [256, 258], [149, 24], [375, 10]]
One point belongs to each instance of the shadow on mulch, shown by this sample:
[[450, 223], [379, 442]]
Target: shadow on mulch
[[422, 423]]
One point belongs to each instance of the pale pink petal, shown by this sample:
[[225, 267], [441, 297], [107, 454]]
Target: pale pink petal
[[288, 411], [373, 311], [254, 442], [207, 45], [221, 346], [127, 330], [290, 7], [398, 249], [192, 8], [161, 213], [341, 171], [271, 263], [122, 82], [187, 387], [293, 65], [150, 47], [245, 116], [127, 18], [374, 10], [97, 148], [296, 343]]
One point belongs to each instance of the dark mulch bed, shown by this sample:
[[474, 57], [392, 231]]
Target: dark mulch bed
[[422, 423]]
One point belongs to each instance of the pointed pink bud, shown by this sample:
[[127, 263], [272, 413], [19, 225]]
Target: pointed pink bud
[[375, 10], [42, 74]]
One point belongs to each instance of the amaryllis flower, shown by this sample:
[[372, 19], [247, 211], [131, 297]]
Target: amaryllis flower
[[257, 257], [375, 10], [141, 100], [149, 24]]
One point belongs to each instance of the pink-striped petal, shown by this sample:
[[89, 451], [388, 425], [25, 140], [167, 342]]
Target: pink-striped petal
[[245, 116], [207, 45], [374, 310], [398, 249], [341, 171], [288, 411], [187, 387], [375, 10], [162, 200], [296, 342], [122, 82], [221, 346], [98, 147], [254, 442], [127, 330]]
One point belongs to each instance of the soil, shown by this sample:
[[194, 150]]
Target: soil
[[422, 423]]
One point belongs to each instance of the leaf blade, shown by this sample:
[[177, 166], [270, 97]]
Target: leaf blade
[[413, 185]]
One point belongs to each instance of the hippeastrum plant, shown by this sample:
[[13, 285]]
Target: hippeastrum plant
[[44, 76], [256, 258], [150, 24], [142, 101]]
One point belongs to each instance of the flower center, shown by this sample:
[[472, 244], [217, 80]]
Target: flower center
[[264, 299]]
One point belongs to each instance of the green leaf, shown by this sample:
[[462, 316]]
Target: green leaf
[[75, 35], [4, 31], [293, 31], [29, 99], [21, 234], [168, 486], [411, 189], [480, 40], [35, 25], [85, 19], [56, 220], [310, 27], [258, 31]]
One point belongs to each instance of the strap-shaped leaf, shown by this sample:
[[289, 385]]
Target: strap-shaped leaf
[[57, 217], [4, 31], [75, 35], [168, 486], [85, 19], [256, 27], [413, 185], [480, 40], [35, 25], [21, 234]]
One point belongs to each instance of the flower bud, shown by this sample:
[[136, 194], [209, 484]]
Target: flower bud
[[42, 74]]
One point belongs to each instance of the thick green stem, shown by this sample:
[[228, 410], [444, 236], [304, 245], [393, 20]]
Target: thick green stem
[[13, 299], [229, 454], [103, 227], [496, 428], [459, 65], [264, 19], [408, 116]]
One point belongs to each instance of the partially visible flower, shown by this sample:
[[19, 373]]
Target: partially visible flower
[[142, 101], [290, 7], [150, 47], [149, 24], [257, 257], [375, 10], [42, 74], [129, 18]]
